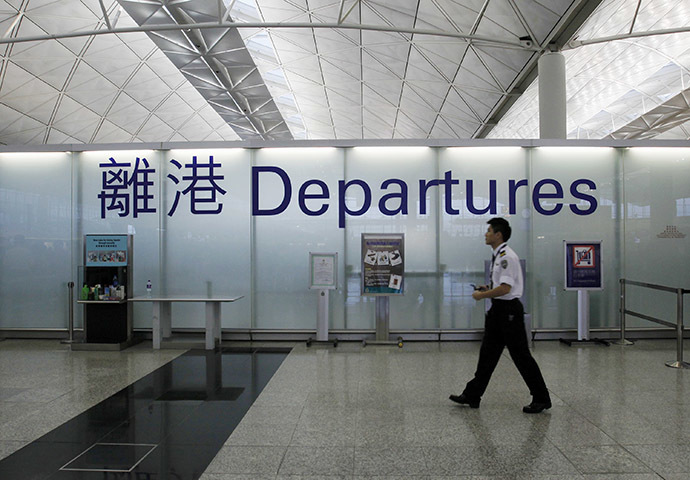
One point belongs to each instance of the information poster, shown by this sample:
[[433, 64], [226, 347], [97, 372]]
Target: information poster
[[323, 269], [383, 263], [106, 250], [583, 266]]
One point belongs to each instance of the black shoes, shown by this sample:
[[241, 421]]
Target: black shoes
[[536, 407], [462, 399]]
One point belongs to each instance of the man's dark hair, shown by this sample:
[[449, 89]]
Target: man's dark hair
[[499, 224]]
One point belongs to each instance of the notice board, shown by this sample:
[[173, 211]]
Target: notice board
[[583, 265], [383, 264]]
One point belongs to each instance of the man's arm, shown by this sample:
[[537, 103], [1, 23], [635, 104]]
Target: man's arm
[[501, 290]]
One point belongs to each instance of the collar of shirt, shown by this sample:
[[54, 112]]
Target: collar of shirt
[[498, 249]]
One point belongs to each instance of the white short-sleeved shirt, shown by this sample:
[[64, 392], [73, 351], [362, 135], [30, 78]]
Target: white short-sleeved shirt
[[506, 269]]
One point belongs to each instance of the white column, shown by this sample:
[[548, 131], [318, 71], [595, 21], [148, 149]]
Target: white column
[[552, 99]]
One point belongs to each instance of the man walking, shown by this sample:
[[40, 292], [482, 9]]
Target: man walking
[[504, 324]]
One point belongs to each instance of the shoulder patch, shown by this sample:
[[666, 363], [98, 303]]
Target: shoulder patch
[[503, 254], [504, 263]]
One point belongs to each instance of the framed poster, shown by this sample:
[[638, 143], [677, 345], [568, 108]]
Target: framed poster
[[323, 271], [583, 265], [105, 250], [383, 264]]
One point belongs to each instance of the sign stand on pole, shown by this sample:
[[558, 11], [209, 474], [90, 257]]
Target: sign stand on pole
[[323, 272], [583, 272], [383, 272]]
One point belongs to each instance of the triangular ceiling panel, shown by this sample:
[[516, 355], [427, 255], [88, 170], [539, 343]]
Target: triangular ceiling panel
[[49, 61], [442, 130], [154, 130], [541, 15], [110, 133], [501, 21], [444, 54]]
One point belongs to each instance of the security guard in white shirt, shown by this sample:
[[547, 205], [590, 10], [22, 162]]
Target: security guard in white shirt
[[505, 324]]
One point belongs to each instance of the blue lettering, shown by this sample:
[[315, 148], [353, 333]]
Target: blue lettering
[[402, 208], [583, 196], [512, 189], [537, 195], [491, 207], [342, 207], [287, 191], [448, 182], [303, 196], [423, 188]]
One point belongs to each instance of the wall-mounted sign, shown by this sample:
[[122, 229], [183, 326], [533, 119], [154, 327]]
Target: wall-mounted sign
[[323, 268], [583, 266], [383, 263], [106, 250], [129, 188]]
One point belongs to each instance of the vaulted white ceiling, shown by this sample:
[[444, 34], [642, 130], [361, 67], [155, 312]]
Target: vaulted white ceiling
[[105, 71]]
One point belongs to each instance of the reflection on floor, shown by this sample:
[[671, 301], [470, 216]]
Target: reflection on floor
[[349, 412], [168, 424], [382, 412]]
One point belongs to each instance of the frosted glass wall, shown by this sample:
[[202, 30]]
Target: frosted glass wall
[[206, 248], [97, 195], [235, 221], [282, 242], [554, 307], [383, 169], [463, 251], [657, 229], [35, 239]]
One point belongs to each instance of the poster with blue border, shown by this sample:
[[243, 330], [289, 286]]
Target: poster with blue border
[[383, 264], [106, 251], [583, 265]]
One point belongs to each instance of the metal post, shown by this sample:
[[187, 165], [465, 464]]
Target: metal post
[[70, 302], [621, 309], [679, 363], [382, 318], [583, 314], [322, 320], [383, 324]]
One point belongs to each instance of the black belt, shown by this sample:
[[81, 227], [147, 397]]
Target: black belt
[[499, 301]]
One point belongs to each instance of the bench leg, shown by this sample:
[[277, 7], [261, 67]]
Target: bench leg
[[212, 324], [161, 323]]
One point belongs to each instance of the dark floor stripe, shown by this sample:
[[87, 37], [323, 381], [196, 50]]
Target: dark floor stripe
[[186, 409]]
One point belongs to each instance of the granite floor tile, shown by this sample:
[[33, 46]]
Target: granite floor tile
[[259, 434], [247, 460], [390, 460], [466, 460], [605, 459], [663, 459], [318, 461]]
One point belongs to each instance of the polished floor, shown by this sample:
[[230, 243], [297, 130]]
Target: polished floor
[[358, 412]]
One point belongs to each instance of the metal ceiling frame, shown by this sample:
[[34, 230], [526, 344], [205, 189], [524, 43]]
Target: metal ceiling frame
[[189, 30], [479, 39]]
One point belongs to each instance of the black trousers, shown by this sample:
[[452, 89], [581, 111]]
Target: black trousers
[[505, 327]]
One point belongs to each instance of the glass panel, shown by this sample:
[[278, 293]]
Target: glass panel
[[283, 241], [657, 228], [463, 251], [417, 308], [552, 306], [119, 190], [35, 239], [206, 248]]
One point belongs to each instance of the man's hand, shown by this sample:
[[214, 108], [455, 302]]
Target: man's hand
[[484, 292], [478, 294]]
